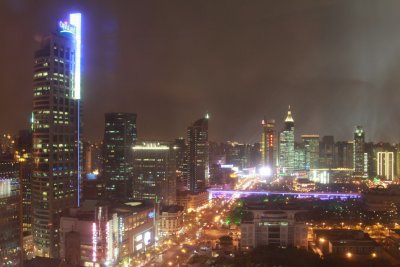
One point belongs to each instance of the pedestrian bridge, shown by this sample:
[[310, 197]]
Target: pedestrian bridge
[[221, 193]]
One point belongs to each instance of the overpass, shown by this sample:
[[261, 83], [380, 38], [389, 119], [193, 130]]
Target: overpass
[[221, 193]]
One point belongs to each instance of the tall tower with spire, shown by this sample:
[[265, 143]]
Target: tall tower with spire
[[286, 145]]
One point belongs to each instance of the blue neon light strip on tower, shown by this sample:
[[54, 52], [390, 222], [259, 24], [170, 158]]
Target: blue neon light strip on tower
[[75, 19]]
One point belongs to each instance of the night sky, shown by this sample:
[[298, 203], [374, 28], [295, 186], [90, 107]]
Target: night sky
[[337, 63]]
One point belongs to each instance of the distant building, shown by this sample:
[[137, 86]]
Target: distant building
[[10, 214], [303, 185], [385, 165], [181, 164], [359, 158], [345, 154], [327, 152], [238, 155], [311, 151], [119, 138], [154, 172], [273, 227], [268, 143], [197, 155], [101, 234], [286, 146]]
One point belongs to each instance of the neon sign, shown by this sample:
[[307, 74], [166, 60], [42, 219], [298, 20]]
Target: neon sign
[[66, 27]]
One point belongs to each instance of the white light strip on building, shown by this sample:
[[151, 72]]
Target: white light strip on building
[[75, 19]]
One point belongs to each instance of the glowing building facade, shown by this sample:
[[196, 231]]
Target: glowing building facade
[[385, 165], [197, 155], [268, 144], [286, 146], [119, 137], [56, 125]]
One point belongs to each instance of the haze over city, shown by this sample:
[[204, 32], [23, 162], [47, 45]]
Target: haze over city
[[335, 62]]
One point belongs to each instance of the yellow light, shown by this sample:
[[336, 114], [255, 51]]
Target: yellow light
[[349, 255], [322, 240], [373, 255]]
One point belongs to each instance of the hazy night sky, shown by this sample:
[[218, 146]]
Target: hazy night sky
[[337, 63]]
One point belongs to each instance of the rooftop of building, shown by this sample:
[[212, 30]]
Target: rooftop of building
[[345, 237], [87, 209], [171, 209]]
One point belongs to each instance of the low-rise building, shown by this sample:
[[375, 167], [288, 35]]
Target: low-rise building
[[346, 243], [100, 233], [170, 220]]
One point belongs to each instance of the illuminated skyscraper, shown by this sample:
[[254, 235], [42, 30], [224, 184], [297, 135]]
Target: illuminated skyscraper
[[119, 138], [154, 172], [311, 151], [385, 165], [268, 143], [359, 140], [286, 146], [56, 132], [197, 156]]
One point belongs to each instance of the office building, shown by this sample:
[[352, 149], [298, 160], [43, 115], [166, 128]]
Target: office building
[[238, 155], [327, 152], [56, 129], [10, 213], [272, 227], [344, 154], [385, 165], [286, 146], [181, 164], [311, 151], [268, 143], [197, 155], [359, 158], [154, 172], [119, 138]]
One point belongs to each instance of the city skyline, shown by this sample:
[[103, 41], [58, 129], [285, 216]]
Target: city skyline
[[354, 79]]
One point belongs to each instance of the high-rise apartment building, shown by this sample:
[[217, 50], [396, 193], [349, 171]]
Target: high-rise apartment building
[[311, 151], [119, 138], [154, 172], [268, 143], [359, 158], [197, 155], [10, 211], [286, 146], [56, 132], [385, 165]]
